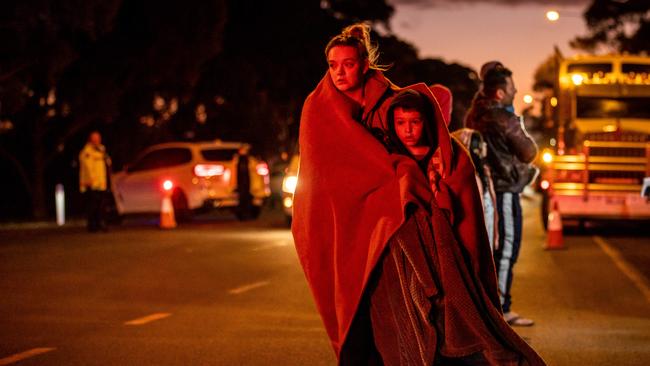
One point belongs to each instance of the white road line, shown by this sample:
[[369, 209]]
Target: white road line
[[637, 278], [278, 244], [24, 355], [148, 319], [246, 288]]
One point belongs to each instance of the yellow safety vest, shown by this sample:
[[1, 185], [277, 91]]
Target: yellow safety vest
[[92, 168]]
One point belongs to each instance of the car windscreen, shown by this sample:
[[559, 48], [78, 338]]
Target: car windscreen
[[163, 158], [599, 107], [218, 154]]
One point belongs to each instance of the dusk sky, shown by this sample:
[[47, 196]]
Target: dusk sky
[[516, 33]]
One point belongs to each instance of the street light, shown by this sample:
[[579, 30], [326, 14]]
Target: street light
[[552, 15], [528, 98]]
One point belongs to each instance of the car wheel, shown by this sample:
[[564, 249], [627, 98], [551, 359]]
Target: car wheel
[[181, 208], [247, 213]]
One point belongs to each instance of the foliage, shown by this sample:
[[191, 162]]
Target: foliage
[[545, 74], [620, 26], [144, 72]]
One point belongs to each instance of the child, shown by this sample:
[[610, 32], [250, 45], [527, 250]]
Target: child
[[408, 125]]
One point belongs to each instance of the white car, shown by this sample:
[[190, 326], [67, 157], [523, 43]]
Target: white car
[[201, 175]]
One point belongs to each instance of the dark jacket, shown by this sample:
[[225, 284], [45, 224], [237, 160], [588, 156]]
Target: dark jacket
[[510, 148]]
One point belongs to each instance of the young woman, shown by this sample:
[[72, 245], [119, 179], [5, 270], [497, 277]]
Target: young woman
[[369, 233], [349, 199]]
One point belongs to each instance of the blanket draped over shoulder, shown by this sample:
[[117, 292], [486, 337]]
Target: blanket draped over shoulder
[[353, 197], [349, 201]]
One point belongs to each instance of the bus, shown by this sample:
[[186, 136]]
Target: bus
[[599, 155]]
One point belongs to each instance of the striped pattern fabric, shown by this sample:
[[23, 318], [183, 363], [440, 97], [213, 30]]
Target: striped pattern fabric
[[505, 257]]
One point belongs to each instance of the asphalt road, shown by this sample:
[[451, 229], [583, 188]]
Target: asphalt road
[[590, 300], [220, 292], [216, 293]]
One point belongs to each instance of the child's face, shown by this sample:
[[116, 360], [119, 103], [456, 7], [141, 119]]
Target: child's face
[[409, 125]]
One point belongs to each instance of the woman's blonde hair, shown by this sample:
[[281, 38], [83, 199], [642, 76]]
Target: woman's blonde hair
[[357, 36]]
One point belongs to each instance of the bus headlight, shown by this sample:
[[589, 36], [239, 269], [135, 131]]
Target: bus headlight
[[577, 79]]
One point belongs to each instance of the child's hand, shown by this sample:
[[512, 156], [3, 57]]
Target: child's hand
[[434, 178], [433, 171]]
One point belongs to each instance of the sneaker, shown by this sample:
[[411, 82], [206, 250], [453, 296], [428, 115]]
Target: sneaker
[[515, 319]]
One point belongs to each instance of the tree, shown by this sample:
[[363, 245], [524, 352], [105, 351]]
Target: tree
[[272, 58], [40, 40], [145, 72], [620, 26], [375, 10], [407, 68], [546, 74], [74, 65]]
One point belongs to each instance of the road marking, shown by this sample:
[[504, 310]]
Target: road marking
[[246, 288], [277, 244], [637, 278], [148, 319], [24, 355]]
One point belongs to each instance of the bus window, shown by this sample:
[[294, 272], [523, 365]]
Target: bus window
[[589, 69], [636, 68]]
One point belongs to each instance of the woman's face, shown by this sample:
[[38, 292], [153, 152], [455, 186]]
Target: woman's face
[[409, 125], [345, 68]]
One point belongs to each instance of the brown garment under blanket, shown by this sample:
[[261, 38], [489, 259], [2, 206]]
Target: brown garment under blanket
[[427, 309]]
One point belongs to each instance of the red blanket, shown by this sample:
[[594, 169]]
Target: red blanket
[[351, 199]]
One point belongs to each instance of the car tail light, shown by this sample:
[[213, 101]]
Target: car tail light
[[168, 185], [262, 169], [208, 170]]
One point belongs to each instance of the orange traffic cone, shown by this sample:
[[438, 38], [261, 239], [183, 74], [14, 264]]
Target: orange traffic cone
[[554, 239], [167, 219]]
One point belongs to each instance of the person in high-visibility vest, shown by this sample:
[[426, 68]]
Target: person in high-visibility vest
[[93, 182]]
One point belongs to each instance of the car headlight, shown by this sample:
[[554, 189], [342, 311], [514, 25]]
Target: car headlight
[[289, 184], [547, 157]]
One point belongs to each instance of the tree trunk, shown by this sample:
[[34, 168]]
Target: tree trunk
[[39, 209]]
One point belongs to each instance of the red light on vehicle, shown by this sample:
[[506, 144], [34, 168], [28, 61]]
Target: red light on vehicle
[[208, 170], [545, 184], [262, 169], [168, 185]]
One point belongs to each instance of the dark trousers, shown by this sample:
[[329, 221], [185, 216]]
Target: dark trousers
[[95, 210], [505, 257]]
